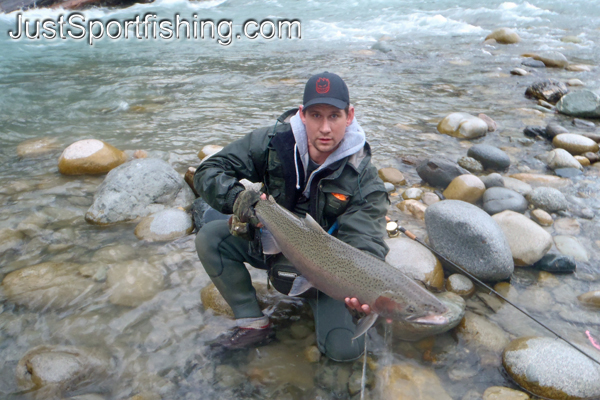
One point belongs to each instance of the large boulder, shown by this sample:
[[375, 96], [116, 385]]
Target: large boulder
[[550, 368], [439, 172], [462, 126], [164, 226], [136, 189], [504, 36], [62, 368], [582, 103], [489, 156], [49, 285], [549, 90], [416, 261], [90, 156], [468, 236], [528, 241], [498, 199]]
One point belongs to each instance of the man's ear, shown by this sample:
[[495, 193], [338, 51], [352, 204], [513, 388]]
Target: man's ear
[[302, 116], [350, 116]]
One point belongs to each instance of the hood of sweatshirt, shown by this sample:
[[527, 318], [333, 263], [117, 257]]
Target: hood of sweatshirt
[[352, 143]]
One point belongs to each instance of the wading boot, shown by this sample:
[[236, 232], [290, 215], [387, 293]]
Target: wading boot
[[241, 338]]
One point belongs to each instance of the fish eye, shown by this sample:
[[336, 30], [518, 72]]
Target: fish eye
[[410, 309]]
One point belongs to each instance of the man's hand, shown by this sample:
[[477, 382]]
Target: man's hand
[[243, 207], [359, 310]]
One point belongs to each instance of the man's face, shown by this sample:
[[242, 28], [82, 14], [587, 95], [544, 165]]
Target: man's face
[[325, 128]]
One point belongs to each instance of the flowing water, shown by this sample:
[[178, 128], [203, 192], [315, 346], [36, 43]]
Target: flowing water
[[172, 97]]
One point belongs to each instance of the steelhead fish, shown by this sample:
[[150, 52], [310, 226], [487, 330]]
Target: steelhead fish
[[340, 270]]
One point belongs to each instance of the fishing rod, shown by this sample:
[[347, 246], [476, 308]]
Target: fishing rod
[[458, 269]]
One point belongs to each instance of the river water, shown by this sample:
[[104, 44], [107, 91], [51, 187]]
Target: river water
[[171, 97]]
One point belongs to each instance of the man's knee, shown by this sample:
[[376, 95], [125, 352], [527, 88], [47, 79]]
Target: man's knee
[[339, 346], [207, 243]]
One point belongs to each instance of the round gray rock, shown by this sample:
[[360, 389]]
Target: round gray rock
[[489, 156], [553, 129], [551, 368], [561, 158], [136, 189], [439, 172], [517, 185], [582, 103], [468, 236], [498, 199], [548, 199], [470, 164], [492, 180]]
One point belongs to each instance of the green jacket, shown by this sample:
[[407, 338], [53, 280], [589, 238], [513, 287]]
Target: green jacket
[[267, 155]]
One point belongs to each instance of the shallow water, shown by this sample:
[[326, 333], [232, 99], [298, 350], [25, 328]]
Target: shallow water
[[171, 98]]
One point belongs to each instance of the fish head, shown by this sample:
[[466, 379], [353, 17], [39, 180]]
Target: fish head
[[426, 311]]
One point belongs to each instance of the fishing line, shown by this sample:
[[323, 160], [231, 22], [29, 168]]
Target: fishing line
[[364, 371], [461, 270]]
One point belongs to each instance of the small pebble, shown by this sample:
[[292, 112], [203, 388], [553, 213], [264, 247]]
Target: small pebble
[[541, 217], [519, 71]]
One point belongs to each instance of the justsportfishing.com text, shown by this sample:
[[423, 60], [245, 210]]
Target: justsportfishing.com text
[[75, 26]]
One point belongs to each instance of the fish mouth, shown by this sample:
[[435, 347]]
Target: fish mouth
[[431, 319]]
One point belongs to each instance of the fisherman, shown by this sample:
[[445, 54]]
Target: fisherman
[[314, 160]]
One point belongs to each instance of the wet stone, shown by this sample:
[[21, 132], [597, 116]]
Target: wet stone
[[470, 164], [532, 363], [10, 239], [570, 246], [492, 126], [541, 217], [114, 254], [492, 180], [467, 188], [212, 299], [133, 282], [584, 161], [518, 71], [590, 298], [388, 187], [553, 129], [528, 241], [490, 157], [66, 368], [416, 261], [548, 199], [412, 194], [568, 172], [551, 59], [504, 36], [392, 175], [582, 104], [574, 143], [482, 333], [498, 199], [567, 226], [37, 147], [549, 90], [409, 382], [503, 393], [429, 198], [562, 159], [463, 126], [415, 207], [48, 285], [479, 238], [541, 180], [165, 225], [461, 285], [517, 185], [209, 150], [90, 156], [530, 62], [439, 172], [534, 131]]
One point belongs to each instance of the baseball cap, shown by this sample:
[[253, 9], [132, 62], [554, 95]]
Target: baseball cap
[[326, 88]]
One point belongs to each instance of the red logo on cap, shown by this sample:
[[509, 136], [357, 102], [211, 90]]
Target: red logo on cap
[[322, 85]]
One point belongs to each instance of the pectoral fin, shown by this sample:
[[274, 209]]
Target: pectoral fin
[[269, 244], [364, 324], [300, 286]]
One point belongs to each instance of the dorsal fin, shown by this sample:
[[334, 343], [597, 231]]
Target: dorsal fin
[[312, 224]]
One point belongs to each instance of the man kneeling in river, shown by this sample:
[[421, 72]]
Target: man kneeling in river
[[317, 163]]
